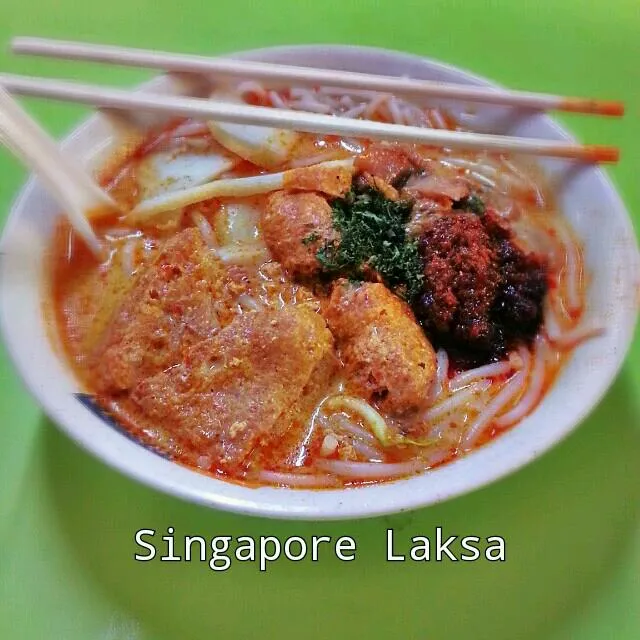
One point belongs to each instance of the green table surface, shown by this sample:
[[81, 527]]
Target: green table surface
[[571, 520]]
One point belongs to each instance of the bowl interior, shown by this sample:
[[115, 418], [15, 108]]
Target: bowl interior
[[585, 196]]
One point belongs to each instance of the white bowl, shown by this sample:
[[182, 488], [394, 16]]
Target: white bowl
[[586, 197]]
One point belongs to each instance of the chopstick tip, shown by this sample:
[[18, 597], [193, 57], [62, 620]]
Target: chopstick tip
[[612, 108], [601, 154]]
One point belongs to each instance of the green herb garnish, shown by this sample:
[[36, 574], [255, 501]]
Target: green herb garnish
[[471, 203], [310, 239], [373, 239]]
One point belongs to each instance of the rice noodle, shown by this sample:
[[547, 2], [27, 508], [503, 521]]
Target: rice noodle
[[508, 392], [298, 93], [551, 321], [409, 116], [396, 114], [534, 389], [442, 370], [571, 271], [296, 479], [455, 401], [243, 255], [276, 100], [515, 173], [549, 243], [427, 120], [370, 416], [529, 238], [346, 101], [205, 229], [384, 111], [436, 457], [375, 104], [492, 370], [482, 179], [573, 337], [521, 179], [116, 234], [311, 105], [301, 454], [437, 119], [252, 86], [483, 173], [437, 429], [369, 453], [364, 94], [354, 112], [348, 426], [370, 470]]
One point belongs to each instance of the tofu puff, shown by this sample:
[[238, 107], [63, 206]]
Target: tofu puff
[[240, 389], [184, 296], [295, 226], [168, 309], [390, 162], [387, 357]]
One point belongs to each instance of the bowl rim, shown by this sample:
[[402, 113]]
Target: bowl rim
[[454, 479]]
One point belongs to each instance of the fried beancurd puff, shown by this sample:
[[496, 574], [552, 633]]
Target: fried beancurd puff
[[295, 226], [387, 357], [236, 391]]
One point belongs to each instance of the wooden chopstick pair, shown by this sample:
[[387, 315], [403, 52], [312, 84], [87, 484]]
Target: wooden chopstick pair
[[298, 120]]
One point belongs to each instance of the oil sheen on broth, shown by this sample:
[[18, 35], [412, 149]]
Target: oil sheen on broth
[[362, 320]]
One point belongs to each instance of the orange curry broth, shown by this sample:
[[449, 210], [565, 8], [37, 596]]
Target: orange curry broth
[[71, 265]]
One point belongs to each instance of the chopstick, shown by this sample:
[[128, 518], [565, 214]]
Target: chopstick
[[73, 188], [309, 76], [297, 120]]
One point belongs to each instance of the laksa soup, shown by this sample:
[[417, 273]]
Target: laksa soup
[[280, 308]]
